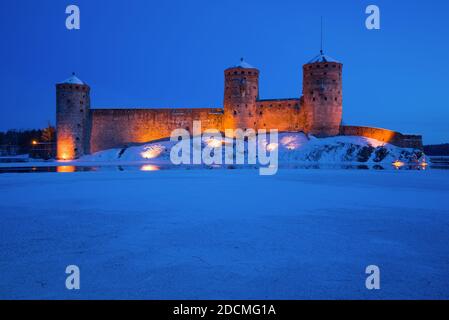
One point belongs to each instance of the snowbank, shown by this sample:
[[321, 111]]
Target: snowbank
[[293, 148]]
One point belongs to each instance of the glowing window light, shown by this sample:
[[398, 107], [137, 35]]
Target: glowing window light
[[149, 167], [34, 142]]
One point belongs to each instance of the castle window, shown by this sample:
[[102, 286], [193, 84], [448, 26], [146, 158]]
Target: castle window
[[77, 87], [325, 98], [77, 139], [313, 99], [327, 66], [81, 102], [243, 72], [235, 72], [68, 100], [78, 125], [260, 112], [81, 110], [235, 113], [335, 99]]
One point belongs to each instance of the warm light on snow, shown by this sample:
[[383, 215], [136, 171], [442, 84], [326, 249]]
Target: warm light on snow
[[291, 142], [272, 146], [214, 143], [152, 152]]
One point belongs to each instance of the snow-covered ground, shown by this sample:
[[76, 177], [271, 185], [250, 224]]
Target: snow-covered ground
[[225, 234], [292, 148]]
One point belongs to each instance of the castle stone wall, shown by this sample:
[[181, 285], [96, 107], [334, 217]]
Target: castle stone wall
[[384, 135], [284, 115], [119, 127]]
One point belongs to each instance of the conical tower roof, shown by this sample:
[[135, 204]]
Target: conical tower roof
[[73, 80]]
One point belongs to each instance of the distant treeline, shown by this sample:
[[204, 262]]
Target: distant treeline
[[14, 142], [437, 149]]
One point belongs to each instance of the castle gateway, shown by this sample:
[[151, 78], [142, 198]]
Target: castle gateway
[[82, 130]]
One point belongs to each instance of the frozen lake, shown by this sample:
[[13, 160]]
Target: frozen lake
[[225, 234]]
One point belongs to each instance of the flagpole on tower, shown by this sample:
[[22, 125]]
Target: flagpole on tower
[[321, 44]]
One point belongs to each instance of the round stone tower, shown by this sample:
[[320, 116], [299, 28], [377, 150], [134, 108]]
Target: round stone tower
[[72, 118], [240, 96], [322, 94]]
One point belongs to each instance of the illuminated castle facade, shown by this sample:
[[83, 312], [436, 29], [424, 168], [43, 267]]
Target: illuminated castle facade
[[83, 130]]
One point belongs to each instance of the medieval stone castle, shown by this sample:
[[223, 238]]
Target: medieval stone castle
[[82, 130]]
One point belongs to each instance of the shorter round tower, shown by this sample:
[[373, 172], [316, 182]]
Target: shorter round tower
[[323, 96], [240, 95], [72, 118]]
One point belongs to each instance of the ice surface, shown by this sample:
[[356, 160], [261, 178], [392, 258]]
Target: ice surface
[[221, 234]]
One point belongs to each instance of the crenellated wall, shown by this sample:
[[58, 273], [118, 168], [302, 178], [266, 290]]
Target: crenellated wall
[[118, 127]]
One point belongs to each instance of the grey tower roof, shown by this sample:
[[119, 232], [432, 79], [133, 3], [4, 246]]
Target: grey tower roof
[[73, 80], [243, 64], [322, 58]]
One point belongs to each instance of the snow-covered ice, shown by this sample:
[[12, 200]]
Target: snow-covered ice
[[225, 234]]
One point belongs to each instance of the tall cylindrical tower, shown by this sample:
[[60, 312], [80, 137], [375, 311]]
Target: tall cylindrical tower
[[240, 95], [72, 118], [323, 96]]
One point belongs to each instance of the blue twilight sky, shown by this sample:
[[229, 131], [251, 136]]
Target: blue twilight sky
[[172, 54]]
